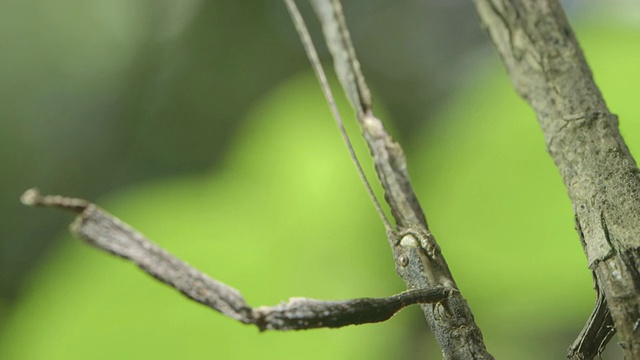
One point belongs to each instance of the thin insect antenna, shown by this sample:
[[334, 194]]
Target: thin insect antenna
[[322, 78]]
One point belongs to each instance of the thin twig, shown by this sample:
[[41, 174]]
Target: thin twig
[[596, 333]]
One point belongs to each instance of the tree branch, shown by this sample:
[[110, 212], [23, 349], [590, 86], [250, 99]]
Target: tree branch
[[547, 68]]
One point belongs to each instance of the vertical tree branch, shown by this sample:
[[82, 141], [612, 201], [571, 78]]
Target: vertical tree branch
[[548, 69]]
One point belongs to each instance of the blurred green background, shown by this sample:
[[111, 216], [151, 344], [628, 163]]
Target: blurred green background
[[199, 123]]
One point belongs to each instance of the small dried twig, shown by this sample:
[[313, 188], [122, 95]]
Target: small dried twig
[[104, 231], [596, 333]]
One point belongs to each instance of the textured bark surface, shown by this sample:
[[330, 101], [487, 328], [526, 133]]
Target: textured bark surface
[[548, 69]]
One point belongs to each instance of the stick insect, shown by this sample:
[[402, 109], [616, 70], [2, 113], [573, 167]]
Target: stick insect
[[419, 261]]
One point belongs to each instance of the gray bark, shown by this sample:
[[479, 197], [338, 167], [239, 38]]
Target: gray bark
[[548, 69], [104, 231]]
